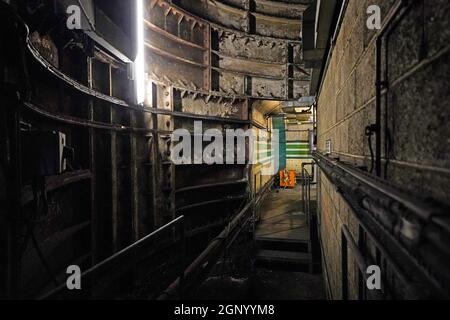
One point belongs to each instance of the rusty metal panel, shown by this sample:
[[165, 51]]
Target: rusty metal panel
[[247, 46], [230, 83], [278, 27], [252, 67], [236, 3], [268, 88], [185, 75], [281, 9], [174, 48], [301, 89], [223, 61], [217, 12], [206, 105]]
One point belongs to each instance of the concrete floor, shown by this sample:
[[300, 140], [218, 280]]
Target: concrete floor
[[283, 225], [281, 217]]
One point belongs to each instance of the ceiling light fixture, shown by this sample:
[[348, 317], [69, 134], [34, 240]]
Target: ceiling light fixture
[[139, 63]]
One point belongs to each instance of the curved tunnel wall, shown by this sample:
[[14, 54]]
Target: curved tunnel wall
[[191, 53], [213, 60]]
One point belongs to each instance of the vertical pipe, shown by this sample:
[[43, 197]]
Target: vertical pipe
[[378, 108], [387, 135], [309, 200], [344, 266], [303, 189], [139, 64], [135, 205], [361, 245], [92, 165], [114, 190]]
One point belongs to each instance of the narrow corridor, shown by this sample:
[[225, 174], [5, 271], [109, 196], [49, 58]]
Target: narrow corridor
[[225, 149]]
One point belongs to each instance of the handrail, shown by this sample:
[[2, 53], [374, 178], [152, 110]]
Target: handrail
[[380, 208], [210, 202], [306, 191], [118, 127], [255, 60], [211, 185], [419, 208], [112, 259]]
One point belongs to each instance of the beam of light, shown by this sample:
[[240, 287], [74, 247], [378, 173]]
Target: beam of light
[[139, 63]]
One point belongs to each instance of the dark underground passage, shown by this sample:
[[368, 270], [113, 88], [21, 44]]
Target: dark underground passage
[[224, 150]]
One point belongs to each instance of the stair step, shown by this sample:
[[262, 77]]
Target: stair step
[[284, 260], [287, 256], [282, 245]]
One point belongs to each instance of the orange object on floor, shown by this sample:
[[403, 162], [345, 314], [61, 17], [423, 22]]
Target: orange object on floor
[[288, 179]]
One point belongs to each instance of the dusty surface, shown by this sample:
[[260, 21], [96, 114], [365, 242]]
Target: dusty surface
[[281, 220], [265, 285], [282, 217]]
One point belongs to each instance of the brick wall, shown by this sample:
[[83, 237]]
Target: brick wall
[[418, 114]]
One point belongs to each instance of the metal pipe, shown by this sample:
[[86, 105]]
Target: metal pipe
[[199, 262], [357, 189], [305, 182], [211, 185], [378, 108], [422, 210], [210, 202], [306, 190]]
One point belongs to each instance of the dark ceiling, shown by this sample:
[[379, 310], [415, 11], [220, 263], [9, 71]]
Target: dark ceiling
[[121, 12]]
